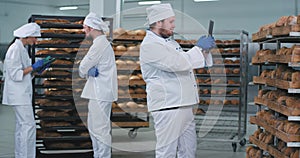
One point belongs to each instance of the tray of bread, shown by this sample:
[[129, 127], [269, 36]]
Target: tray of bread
[[282, 27], [284, 104], [218, 102], [280, 127], [133, 80], [127, 50], [128, 35], [261, 142], [220, 82], [282, 77], [283, 55], [128, 107]]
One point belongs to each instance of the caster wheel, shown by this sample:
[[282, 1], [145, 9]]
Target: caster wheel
[[234, 147], [132, 133], [243, 142]]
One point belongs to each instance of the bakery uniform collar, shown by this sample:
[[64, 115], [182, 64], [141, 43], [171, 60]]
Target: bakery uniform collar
[[164, 39]]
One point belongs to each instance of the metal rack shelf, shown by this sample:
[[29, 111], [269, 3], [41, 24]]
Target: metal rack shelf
[[278, 109], [226, 123]]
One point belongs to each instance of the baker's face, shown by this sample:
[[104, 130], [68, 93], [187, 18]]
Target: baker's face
[[167, 27], [87, 30], [31, 40]]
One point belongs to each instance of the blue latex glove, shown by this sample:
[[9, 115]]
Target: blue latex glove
[[37, 64], [44, 68], [93, 72], [206, 43]]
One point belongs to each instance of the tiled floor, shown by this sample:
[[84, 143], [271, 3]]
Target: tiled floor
[[123, 146]]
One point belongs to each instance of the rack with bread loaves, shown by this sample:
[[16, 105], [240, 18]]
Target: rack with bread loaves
[[58, 110], [278, 98], [131, 86], [222, 89]]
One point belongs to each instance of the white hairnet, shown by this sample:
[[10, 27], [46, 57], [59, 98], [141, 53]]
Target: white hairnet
[[28, 30], [159, 12], [94, 21]]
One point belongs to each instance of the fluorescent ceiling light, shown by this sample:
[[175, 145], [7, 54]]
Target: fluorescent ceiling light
[[68, 8], [148, 2], [205, 0]]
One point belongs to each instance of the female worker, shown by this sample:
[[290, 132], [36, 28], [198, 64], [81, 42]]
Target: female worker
[[18, 88]]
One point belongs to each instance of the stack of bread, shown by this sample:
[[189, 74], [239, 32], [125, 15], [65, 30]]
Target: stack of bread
[[254, 152], [280, 123]]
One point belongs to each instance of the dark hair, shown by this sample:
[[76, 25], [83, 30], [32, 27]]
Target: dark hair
[[13, 41]]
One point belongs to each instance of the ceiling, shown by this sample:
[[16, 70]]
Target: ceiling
[[83, 4], [227, 14]]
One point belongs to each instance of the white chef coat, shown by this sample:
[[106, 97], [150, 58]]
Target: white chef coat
[[168, 72], [105, 86], [17, 87]]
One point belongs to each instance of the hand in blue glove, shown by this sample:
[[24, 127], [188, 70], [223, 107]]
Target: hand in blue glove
[[93, 72], [37, 64], [43, 68], [206, 42]]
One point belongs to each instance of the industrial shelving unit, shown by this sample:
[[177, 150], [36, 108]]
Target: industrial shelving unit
[[280, 110], [59, 111], [222, 90]]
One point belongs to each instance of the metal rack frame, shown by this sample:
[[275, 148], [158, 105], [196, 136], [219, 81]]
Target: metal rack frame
[[230, 121], [278, 41], [70, 133], [137, 122]]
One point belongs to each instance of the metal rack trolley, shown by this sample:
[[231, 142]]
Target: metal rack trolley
[[225, 123], [137, 117], [292, 37], [72, 136]]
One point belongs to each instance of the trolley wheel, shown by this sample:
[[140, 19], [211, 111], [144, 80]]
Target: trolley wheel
[[132, 133], [234, 147], [243, 142]]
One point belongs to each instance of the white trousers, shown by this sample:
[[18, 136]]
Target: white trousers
[[99, 126], [175, 133], [25, 133]]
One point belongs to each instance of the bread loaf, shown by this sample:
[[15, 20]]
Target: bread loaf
[[119, 31], [57, 83], [43, 113], [201, 71], [132, 104], [44, 21], [235, 91], [140, 91], [226, 102], [281, 21], [292, 102], [47, 102], [120, 63], [140, 32], [235, 102], [56, 73], [58, 92], [120, 48], [61, 145], [236, 71], [55, 124]]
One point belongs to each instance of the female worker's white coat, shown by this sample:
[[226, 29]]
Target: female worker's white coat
[[105, 86], [17, 87], [168, 72]]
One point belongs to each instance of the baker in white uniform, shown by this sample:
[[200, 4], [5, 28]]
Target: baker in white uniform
[[17, 89], [99, 67], [171, 86]]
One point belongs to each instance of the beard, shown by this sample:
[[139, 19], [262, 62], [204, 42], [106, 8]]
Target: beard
[[165, 33], [88, 37]]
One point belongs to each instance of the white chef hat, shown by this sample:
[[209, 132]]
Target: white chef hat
[[28, 30], [94, 21], [159, 12]]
